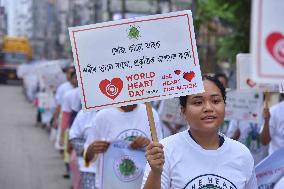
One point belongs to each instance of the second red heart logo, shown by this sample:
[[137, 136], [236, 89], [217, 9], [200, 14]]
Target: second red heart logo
[[250, 83], [177, 72], [275, 46], [189, 76], [111, 88]]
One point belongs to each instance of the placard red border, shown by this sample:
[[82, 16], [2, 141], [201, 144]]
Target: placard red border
[[259, 43], [112, 25]]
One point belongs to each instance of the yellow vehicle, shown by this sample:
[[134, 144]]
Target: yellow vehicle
[[14, 51]]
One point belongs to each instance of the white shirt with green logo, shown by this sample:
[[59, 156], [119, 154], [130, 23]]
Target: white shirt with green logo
[[189, 166]]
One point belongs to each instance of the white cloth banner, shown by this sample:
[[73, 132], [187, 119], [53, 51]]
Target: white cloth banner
[[270, 170], [122, 167], [136, 60], [244, 105], [46, 100], [50, 74]]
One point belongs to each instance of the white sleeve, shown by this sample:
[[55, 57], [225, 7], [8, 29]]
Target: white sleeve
[[58, 95], [76, 101], [251, 183], [75, 130], [272, 123], [233, 126], [93, 133]]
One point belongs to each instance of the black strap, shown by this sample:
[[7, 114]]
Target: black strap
[[221, 139]]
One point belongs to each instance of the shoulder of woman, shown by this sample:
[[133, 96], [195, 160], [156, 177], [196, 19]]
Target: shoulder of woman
[[238, 148]]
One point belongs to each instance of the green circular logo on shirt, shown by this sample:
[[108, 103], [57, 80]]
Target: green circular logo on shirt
[[126, 170], [127, 167]]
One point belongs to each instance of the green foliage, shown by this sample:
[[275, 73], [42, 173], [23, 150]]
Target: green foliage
[[234, 15]]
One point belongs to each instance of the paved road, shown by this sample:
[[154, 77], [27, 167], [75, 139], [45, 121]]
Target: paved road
[[27, 157]]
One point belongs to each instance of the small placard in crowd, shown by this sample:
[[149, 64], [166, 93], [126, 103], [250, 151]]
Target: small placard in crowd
[[244, 105]]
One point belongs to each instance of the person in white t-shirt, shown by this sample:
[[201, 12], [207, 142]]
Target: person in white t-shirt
[[66, 121], [273, 129], [129, 123], [77, 136], [247, 132], [200, 157], [60, 92]]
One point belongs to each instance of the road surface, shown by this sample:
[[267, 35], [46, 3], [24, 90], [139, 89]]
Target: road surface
[[27, 157]]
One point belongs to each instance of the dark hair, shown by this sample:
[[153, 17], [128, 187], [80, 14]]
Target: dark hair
[[72, 73], [183, 99]]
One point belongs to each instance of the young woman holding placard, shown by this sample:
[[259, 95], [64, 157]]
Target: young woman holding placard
[[200, 157]]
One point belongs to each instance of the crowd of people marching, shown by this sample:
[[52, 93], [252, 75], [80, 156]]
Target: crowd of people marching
[[194, 141]]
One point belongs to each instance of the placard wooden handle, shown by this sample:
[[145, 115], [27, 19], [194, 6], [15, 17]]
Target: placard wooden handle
[[151, 121], [266, 99]]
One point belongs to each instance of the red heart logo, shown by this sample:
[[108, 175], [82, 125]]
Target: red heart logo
[[251, 83], [189, 76], [111, 88], [177, 72], [275, 45]]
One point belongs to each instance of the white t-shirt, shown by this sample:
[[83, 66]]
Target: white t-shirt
[[76, 101], [68, 98], [61, 90], [79, 129], [114, 124], [280, 184], [188, 165], [276, 127], [249, 136]]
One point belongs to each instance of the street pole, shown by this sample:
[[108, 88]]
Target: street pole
[[158, 7], [123, 8], [170, 6]]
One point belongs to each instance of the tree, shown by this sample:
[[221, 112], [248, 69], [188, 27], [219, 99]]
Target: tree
[[232, 15]]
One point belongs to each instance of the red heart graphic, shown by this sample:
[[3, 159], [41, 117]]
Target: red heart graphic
[[189, 76], [275, 45], [111, 88], [251, 83], [177, 72]]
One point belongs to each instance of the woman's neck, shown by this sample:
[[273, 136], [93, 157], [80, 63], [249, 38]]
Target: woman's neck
[[207, 140]]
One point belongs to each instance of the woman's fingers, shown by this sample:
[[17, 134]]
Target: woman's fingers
[[155, 156], [154, 150]]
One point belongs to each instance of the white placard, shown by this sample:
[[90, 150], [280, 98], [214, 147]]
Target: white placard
[[244, 76], [136, 60], [170, 111], [122, 167], [267, 41], [244, 105]]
